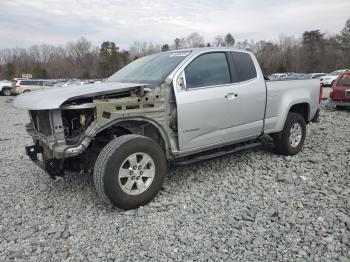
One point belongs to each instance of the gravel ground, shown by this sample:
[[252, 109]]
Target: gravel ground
[[251, 206]]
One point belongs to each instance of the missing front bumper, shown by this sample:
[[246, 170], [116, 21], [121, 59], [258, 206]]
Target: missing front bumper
[[54, 167]]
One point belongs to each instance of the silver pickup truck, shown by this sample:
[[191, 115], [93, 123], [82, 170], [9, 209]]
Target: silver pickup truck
[[171, 108]]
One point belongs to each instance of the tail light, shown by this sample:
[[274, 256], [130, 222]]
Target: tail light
[[321, 94], [331, 93]]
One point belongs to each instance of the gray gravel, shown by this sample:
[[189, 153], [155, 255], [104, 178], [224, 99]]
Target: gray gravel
[[252, 206]]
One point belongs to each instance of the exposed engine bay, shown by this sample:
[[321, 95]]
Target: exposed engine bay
[[75, 123]]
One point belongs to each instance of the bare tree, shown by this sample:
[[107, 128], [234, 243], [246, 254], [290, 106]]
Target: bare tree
[[81, 55], [195, 40], [139, 49], [179, 43], [218, 41], [243, 45]]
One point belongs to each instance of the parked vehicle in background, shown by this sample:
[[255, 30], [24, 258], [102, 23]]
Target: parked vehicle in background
[[329, 79], [21, 86], [5, 88], [314, 76], [278, 76], [340, 93], [68, 83], [295, 76], [176, 107]]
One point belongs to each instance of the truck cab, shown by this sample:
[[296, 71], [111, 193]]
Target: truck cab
[[212, 89]]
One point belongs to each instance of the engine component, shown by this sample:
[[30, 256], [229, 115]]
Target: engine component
[[75, 123]]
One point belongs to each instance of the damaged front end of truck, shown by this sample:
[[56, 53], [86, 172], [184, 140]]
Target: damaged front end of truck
[[70, 126]]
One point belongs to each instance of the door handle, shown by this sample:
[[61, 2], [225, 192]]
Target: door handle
[[231, 96]]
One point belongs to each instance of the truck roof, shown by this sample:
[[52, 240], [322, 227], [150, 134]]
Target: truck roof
[[208, 49]]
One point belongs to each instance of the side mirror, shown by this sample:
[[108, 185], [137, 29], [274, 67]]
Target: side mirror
[[181, 81]]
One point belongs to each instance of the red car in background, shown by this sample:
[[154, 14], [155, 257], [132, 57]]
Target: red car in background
[[340, 94]]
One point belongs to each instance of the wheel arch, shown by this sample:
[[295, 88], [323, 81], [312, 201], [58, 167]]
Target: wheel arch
[[5, 88], [138, 125], [302, 109]]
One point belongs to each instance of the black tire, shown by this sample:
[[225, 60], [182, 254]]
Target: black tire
[[6, 91], [281, 140], [110, 161]]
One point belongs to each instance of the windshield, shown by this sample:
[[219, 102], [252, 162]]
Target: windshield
[[152, 69], [335, 73], [344, 80]]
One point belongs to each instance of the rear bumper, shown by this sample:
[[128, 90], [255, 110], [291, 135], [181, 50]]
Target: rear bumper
[[54, 167], [340, 103]]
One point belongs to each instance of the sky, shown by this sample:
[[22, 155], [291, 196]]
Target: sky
[[27, 22]]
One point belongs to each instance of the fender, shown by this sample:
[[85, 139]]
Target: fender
[[152, 122], [288, 108]]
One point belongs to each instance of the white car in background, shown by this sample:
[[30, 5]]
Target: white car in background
[[329, 79], [278, 76], [315, 76], [21, 86], [5, 88], [68, 83]]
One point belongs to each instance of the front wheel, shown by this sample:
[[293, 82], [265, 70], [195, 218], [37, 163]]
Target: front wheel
[[6, 92], [291, 139], [130, 171]]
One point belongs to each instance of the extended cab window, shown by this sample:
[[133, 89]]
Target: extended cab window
[[244, 67], [208, 70]]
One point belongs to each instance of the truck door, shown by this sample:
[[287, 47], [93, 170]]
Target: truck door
[[217, 106]]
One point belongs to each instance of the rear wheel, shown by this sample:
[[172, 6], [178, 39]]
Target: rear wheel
[[291, 139], [130, 171]]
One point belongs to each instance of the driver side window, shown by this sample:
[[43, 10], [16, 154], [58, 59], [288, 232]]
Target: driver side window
[[208, 70]]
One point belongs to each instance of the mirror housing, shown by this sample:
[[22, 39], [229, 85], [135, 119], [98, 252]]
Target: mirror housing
[[181, 81]]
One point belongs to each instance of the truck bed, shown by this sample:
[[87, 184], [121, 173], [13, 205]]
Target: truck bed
[[281, 93]]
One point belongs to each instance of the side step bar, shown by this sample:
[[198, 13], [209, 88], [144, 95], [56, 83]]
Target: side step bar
[[224, 152]]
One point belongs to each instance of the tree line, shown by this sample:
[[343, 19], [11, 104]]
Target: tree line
[[314, 51]]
